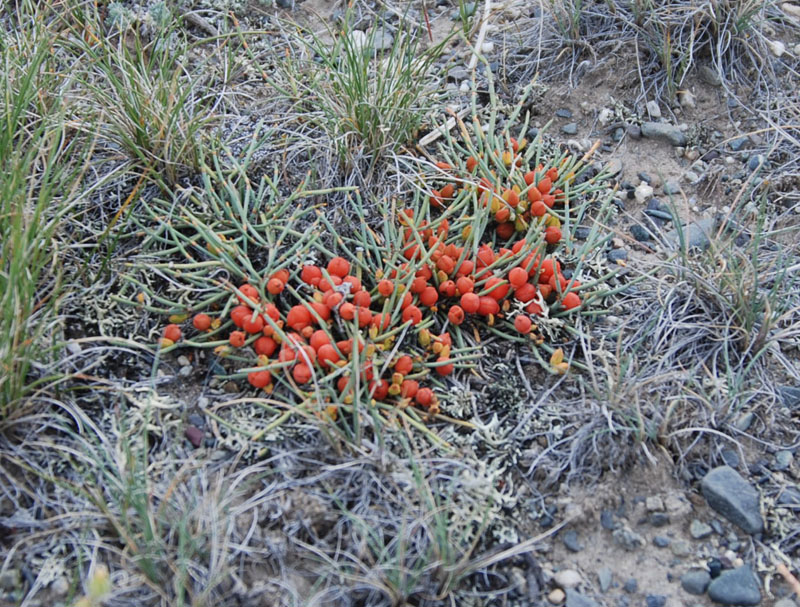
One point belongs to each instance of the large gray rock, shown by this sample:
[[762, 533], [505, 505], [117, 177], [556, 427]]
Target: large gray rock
[[736, 587], [696, 235], [665, 132], [734, 498]]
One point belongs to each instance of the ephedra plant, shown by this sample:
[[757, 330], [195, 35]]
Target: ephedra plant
[[374, 317]]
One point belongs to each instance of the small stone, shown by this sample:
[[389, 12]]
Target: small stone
[[736, 587], [691, 154], [457, 73], [790, 396], [789, 498], [613, 167], [634, 131], [671, 187], [793, 10], [631, 585], [464, 88], [783, 460], [195, 435], [60, 586], [564, 113], [677, 506], [381, 38], [710, 76], [618, 134], [627, 538], [358, 39], [570, 129], [582, 233], [785, 602], [640, 233], [231, 387], [655, 600], [284, 3], [487, 47], [604, 577], [756, 161], [556, 597], [744, 422], [570, 540], [695, 581], [737, 144], [699, 530], [607, 519], [734, 498], [605, 116], [643, 192], [696, 235], [185, 371], [567, 578], [691, 177], [196, 420], [654, 504], [660, 541], [653, 109], [730, 457], [686, 99], [617, 255], [680, 548], [664, 132], [776, 47], [658, 519], [10, 580], [183, 361], [576, 599]]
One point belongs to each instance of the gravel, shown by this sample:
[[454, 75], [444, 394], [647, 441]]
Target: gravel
[[604, 577], [734, 498], [567, 578], [576, 599], [660, 541], [570, 540], [655, 600], [570, 129], [695, 235], [699, 530]]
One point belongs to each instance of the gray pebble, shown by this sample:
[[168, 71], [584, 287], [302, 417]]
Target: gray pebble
[[645, 177], [736, 587], [660, 541], [790, 396], [185, 371], [671, 187], [576, 599], [755, 161], [634, 131], [734, 498], [699, 529], [607, 520], [730, 457], [744, 422], [785, 602], [640, 233], [570, 129], [627, 538], [582, 233], [709, 76], [696, 235], [570, 540], [382, 39], [196, 420], [183, 361], [680, 548], [737, 144], [653, 109], [618, 134], [716, 526], [604, 578], [658, 519], [564, 113], [664, 132], [789, 498], [284, 3], [631, 585], [457, 73], [616, 255], [655, 600], [695, 581], [783, 460]]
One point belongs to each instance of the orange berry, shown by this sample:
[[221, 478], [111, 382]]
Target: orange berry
[[511, 197], [275, 286], [446, 264], [413, 314], [265, 346], [248, 291], [237, 339], [544, 185], [172, 332], [445, 369], [456, 315], [354, 282], [525, 293], [424, 397], [571, 300], [253, 325], [552, 235], [362, 299], [499, 288], [385, 287], [319, 338], [447, 191], [529, 177], [347, 311], [379, 389], [239, 313], [429, 296], [409, 388], [201, 322], [447, 288], [311, 275], [517, 277], [259, 379], [364, 316], [331, 299], [301, 373], [298, 317], [404, 365], [505, 230], [472, 162], [338, 266], [470, 302], [465, 285], [488, 305], [327, 355], [523, 324]]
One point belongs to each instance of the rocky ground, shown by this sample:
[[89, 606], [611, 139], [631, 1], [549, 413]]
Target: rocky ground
[[700, 507]]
